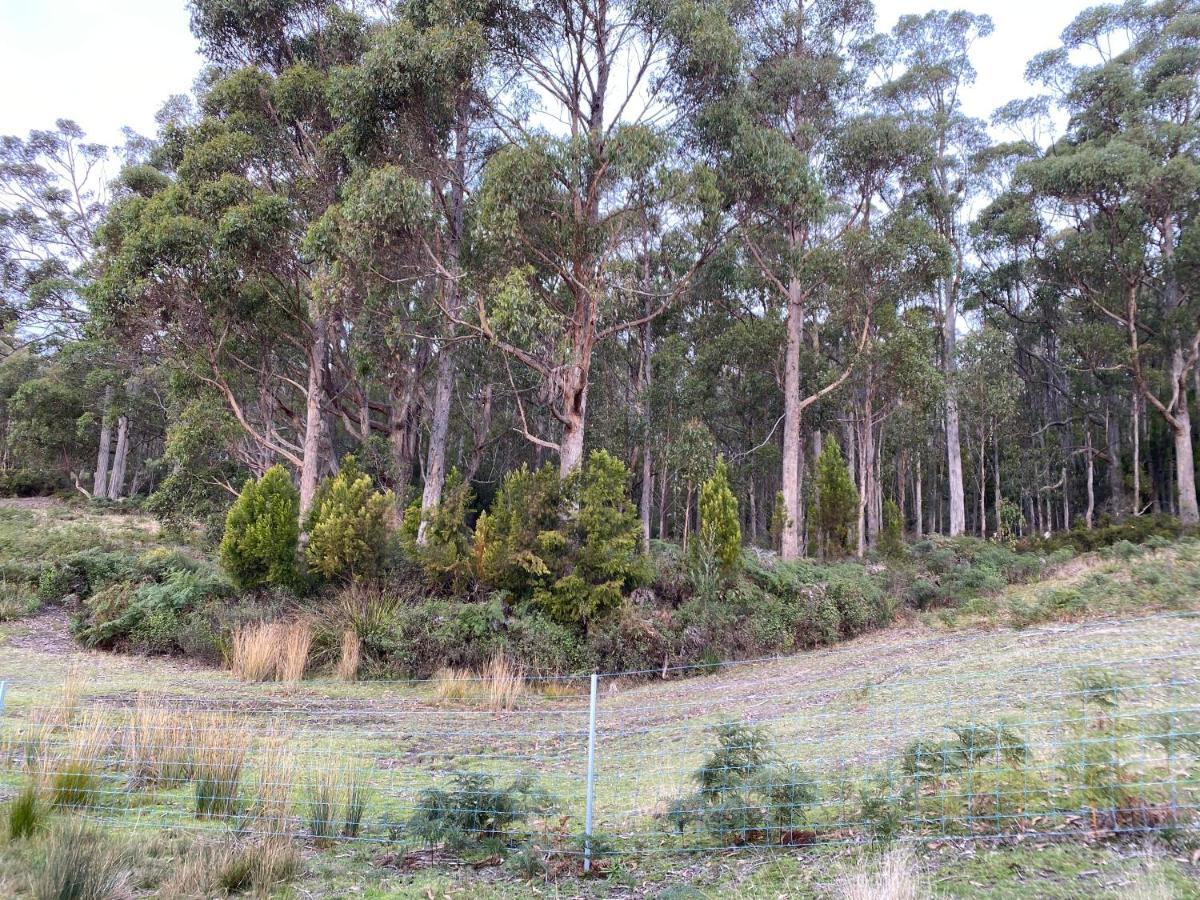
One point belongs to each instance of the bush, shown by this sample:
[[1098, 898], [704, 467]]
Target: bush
[[348, 528], [573, 548], [445, 554], [31, 483], [261, 532], [720, 534], [836, 502], [475, 810], [891, 538]]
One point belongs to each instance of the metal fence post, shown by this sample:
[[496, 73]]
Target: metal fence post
[[3, 692], [591, 778]]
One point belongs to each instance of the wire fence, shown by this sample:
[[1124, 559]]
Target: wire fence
[[1087, 730]]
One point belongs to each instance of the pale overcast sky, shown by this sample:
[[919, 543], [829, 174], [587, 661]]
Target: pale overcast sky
[[111, 63]]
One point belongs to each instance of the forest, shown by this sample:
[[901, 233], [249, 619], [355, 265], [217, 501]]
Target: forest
[[515, 292]]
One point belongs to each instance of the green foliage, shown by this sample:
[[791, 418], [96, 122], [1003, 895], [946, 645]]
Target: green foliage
[[349, 526], [779, 519], [445, 555], [81, 863], [573, 548], [720, 534], [891, 538], [475, 810], [746, 794], [261, 532], [26, 813], [836, 504]]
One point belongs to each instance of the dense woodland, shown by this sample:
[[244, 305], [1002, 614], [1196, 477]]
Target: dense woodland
[[455, 237]]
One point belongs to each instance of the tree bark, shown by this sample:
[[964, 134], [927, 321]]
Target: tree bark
[[790, 484], [314, 414], [116, 480], [100, 479]]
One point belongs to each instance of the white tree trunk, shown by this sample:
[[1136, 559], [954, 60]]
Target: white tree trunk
[[790, 480], [116, 481], [314, 418], [100, 479]]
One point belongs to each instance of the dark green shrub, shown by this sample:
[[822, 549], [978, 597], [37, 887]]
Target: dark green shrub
[[80, 574], [445, 554], [891, 537], [348, 527], [32, 483], [26, 813], [262, 531], [836, 505], [746, 794], [720, 535], [475, 810]]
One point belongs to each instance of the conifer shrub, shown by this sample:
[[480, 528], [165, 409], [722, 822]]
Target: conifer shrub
[[572, 548], [836, 503], [475, 811], [720, 525], [348, 528], [445, 555], [262, 531], [746, 794]]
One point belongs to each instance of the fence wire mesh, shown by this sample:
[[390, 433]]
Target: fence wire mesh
[[1057, 732]]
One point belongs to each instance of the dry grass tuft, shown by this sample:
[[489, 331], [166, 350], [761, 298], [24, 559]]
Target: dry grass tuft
[[222, 742], [266, 651], [255, 652], [337, 799], [454, 686], [505, 683], [158, 751], [73, 771], [348, 663], [897, 877], [80, 863], [273, 779], [227, 868], [296, 643]]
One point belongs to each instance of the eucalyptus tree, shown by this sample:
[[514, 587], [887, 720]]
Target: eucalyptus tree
[[928, 66], [1120, 189], [563, 204], [212, 249]]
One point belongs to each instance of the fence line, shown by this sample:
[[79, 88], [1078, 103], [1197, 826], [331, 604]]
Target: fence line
[[1093, 734]]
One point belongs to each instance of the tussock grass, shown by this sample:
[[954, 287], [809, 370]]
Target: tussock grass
[[80, 864], [222, 742], [158, 749], [26, 814], [896, 878], [266, 651], [505, 684], [454, 685], [351, 656], [337, 800], [254, 655], [73, 772], [234, 868], [274, 776]]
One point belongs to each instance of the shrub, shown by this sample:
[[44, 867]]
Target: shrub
[[80, 864], [475, 811], [836, 502], [746, 794], [571, 547], [262, 530], [720, 528], [445, 555], [891, 538], [16, 602], [348, 528]]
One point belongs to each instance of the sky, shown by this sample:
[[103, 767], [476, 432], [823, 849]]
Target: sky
[[111, 63]]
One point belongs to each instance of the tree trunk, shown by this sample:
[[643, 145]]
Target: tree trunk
[[997, 496], [116, 481], [571, 454], [1185, 468], [918, 501], [1116, 477], [646, 377], [100, 479], [1137, 455], [1091, 479], [954, 467], [314, 415], [790, 479]]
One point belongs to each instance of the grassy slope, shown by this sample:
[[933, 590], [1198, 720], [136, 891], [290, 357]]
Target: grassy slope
[[847, 705]]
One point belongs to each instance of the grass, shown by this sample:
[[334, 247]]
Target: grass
[[897, 877], [274, 776], [158, 748], [266, 651], [351, 656], [74, 770], [232, 867], [337, 799], [499, 687], [222, 742], [26, 813], [81, 863]]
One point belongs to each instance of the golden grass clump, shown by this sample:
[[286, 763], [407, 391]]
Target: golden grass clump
[[274, 776], [73, 770], [229, 868], [454, 686], [897, 877], [297, 642], [266, 651], [254, 655], [505, 683], [158, 748], [351, 657], [219, 756], [80, 862], [337, 800]]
